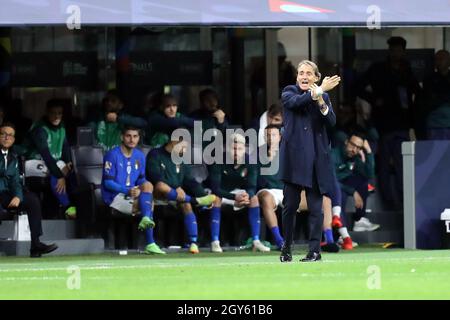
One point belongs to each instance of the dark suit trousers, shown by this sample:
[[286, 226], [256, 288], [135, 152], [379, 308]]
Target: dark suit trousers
[[291, 201], [32, 206]]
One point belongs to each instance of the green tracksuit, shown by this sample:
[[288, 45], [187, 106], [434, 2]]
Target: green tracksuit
[[9, 177], [346, 166], [160, 168], [224, 178]]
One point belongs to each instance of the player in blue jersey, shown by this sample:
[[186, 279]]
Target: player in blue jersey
[[124, 186]]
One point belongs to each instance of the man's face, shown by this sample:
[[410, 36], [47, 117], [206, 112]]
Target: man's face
[[273, 137], [112, 103], [7, 137], [237, 151], [55, 115], [210, 103], [275, 119], [130, 138], [306, 76], [396, 52], [353, 146], [170, 108]]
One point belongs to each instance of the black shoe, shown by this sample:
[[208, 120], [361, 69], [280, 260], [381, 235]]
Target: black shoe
[[311, 256], [330, 247], [42, 248], [286, 255]]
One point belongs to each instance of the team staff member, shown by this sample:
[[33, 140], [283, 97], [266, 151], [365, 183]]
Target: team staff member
[[12, 195], [304, 154]]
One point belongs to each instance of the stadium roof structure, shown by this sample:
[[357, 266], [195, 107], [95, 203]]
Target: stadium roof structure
[[263, 13]]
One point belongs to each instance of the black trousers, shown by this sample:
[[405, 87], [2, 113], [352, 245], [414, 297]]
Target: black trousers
[[291, 201], [32, 206]]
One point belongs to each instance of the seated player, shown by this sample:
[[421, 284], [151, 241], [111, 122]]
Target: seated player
[[123, 178], [235, 183], [270, 186], [162, 122], [108, 125], [210, 113], [345, 241], [354, 165], [47, 141], [174, 182], [329, 245]]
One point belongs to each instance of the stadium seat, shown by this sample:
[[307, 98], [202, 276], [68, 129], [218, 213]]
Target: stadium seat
[[145, 149], [88, 168], [85, 136], [87, 156]]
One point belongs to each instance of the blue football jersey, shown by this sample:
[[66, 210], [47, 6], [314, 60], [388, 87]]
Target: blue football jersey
[[125, 172]]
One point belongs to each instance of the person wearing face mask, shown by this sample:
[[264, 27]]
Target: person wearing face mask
[[304, 153]]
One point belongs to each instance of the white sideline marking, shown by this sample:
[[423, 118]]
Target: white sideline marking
[[214, 264], [52, 278]]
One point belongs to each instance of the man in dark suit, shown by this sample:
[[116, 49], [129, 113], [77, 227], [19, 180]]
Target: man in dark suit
[[12, 197], [304, 154]]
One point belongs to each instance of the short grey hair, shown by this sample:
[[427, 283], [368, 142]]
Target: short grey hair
[[312, 65]]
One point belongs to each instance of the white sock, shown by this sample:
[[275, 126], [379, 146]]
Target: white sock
[[343, 232], [337, 211], [227, 201]]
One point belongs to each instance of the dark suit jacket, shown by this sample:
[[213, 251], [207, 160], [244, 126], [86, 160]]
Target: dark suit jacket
[[305, 145], [9, 177]]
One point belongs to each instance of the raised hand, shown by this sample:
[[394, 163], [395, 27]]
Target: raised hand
[[219, 115], [328, 83], [366, 146]]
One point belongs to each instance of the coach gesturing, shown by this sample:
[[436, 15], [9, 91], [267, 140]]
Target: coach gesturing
[[304, 155]]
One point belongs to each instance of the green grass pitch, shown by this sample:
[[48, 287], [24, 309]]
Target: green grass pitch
[[364, 273]]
